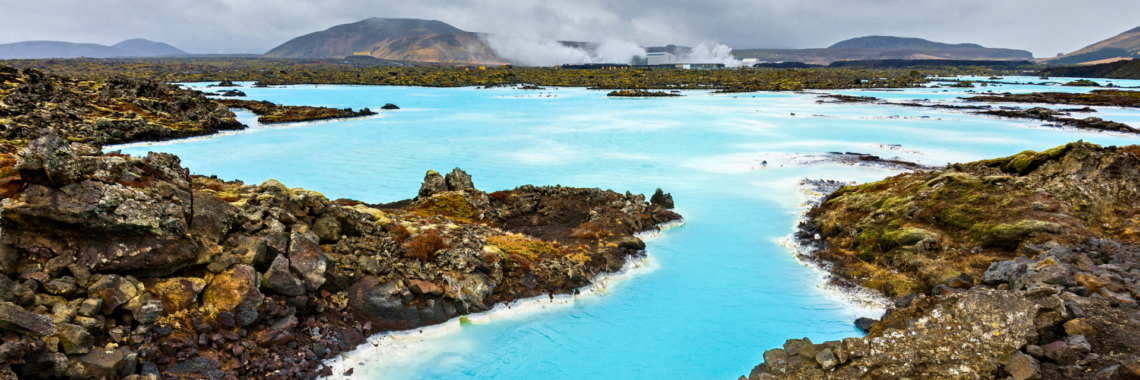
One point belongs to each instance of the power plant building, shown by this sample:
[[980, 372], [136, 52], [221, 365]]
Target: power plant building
[[661, 58]]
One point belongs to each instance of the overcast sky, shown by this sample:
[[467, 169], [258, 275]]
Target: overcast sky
[[1044, 27]]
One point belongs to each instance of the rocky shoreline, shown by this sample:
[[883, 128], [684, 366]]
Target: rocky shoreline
[[643, 94], [270, 113], [1056, 116], [104, 112], [1046, 288], [119, 267]]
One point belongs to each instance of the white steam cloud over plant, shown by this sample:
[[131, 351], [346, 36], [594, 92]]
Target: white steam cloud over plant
[[532, 52], [713, 53]]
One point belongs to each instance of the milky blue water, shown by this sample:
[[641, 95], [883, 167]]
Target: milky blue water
[[718, 291]]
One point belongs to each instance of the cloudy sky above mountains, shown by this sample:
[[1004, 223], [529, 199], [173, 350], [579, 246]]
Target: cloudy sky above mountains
[[1044, 27]]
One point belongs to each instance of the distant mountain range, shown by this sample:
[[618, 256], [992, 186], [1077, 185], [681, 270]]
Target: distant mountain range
[[394, 39], [57, 49], [884, 47], [1121, 47]]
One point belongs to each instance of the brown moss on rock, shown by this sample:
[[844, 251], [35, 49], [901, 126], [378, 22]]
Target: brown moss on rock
[[911, 232]]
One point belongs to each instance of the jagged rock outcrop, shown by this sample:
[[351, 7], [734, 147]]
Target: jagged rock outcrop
[[1026, 267], [125, 267], [102, 112], [912, 232]]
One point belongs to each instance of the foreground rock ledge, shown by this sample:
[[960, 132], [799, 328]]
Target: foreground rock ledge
[[128, 267], [1025, 267]]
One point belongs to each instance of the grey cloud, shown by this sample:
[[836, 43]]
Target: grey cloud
[[1045, 27]]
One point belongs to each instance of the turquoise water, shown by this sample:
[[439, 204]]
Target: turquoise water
[[716, 292]]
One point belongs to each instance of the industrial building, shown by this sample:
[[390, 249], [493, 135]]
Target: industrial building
[[660, 58]]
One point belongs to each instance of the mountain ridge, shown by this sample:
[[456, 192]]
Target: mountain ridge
[[884, 47], [136, 47], [892, 42], [1123, 45]]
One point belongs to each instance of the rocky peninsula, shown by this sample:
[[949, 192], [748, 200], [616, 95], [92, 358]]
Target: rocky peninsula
[[642, 94], [102, 112], [1024, 267], [270, 113], [119, 267]]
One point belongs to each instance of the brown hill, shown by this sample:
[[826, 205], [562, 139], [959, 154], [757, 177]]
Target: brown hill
[[396, 39], [1123, 45]]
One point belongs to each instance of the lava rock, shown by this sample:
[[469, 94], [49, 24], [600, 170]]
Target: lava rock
[[864, 324], [114, 290], [433, 183], [1023, 367], [306, 258], [17, 319], [235, 290], [458, 180], [279, 279], [74, 339], [176, 293], [662, 199]]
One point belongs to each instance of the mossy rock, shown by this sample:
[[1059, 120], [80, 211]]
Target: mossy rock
[[1025, 162], [906, 237], [1009, 236]]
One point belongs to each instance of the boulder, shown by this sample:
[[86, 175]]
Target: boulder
[[105, 215], [45, 365], [1061, 353], [306, 258], [1004, 271], [327, 228], [17, 319], [61, 286], [1079, 326], [389, 106], [74, 339], [236, 291], [49, 161], [197, 368], [632, 243], [662, 199], [864, 324], [458, 180], [279, 279], [147, 312], [104, 364], [1047, 271], [114, 290], [212, 217], [1078, 344], [421, 287], [279, 333], [1023, 367], [380, 303], [176, 293], [470, 289], [433, 183], [251, 250], [826, 359]]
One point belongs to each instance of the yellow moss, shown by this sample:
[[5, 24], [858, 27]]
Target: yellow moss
[[378, 216], [521, 245], [452, 206]]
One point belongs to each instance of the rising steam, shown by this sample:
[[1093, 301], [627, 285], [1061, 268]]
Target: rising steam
[[713, 53], [531, 52]]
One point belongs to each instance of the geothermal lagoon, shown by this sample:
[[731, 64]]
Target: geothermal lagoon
[[713, 293]]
